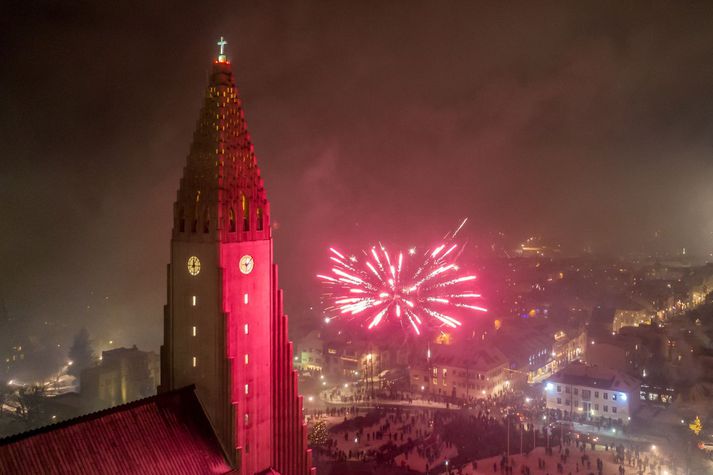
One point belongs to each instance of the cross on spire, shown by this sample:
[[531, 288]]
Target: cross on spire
[[222, 58]]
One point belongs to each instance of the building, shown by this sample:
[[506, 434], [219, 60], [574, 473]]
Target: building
[[582, 392], [228, 399], [349, 354], [310, 353], [630, 316], [536, 350], [224, 328], [623, 352], [164, 434], [123, 375], [460, 372]]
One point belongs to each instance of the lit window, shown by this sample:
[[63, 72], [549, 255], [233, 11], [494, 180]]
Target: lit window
[[246, 358], [195, 361], [246, 389], [193, 332], [245, 299], [246, 419], [246, 328], [194, 300]]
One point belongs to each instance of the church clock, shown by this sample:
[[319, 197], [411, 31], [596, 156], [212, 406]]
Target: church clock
[[194, 265], [246, 264]]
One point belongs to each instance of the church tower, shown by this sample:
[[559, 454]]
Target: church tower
[[224, 327]]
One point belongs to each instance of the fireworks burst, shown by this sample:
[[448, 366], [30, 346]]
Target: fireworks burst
[[418, 290]]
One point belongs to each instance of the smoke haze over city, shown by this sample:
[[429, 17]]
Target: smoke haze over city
[[585, 124]]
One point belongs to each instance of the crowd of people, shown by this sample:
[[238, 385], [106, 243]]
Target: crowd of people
[[436, 440]]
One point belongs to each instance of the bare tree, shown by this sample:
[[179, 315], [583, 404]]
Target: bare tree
[[81, 353]]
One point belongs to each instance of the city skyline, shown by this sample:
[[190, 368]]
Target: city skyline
[[589, 131]]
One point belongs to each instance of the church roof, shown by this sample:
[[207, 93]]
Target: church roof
[[164, 434]]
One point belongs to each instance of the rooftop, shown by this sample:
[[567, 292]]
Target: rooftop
[[164, 434], [580, 374]]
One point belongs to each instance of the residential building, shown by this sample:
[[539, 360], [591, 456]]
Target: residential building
[[460, 372], [582, 392]]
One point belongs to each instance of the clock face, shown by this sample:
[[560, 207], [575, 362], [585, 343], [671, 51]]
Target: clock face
[[194, 265], [246, 264]]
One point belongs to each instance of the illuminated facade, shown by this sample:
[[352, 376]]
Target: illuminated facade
[[225, 330], [582, 392], [460, 373], [123, 375]]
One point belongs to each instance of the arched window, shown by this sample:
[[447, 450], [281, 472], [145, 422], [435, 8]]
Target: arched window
[[258, 217], [206, 221], [231, 220], [182, 220], [246, 212]]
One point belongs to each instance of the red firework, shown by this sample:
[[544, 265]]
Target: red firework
[[416, 290]]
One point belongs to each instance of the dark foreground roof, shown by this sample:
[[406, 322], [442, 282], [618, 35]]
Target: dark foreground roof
[[164, 434]]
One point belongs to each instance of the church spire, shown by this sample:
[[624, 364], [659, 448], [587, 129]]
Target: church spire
[[222, 193]]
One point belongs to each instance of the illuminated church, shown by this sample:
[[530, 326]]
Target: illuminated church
[[228, 400]]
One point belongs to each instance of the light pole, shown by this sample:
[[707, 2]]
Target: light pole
[[507, 421], [547, 431], [534, 434]]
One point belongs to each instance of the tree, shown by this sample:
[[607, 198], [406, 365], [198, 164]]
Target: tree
[[318, 434], [81, 354], [6, 392], [696, 426], [30, 406]]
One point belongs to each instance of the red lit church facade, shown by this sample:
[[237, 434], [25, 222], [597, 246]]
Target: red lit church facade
[[224, 326], [228, 400]]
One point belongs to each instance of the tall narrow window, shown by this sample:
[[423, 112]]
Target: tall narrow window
[[194, 300], [231, 220], [245, 298], [246, 389], [182, 220], [258, 217], [246, 328], [206, 221], [195, 361], [246, 212], [246, 358], [193, 332], [194, 223]]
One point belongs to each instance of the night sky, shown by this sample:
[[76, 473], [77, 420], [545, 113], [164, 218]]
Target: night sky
[[589, 124]]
